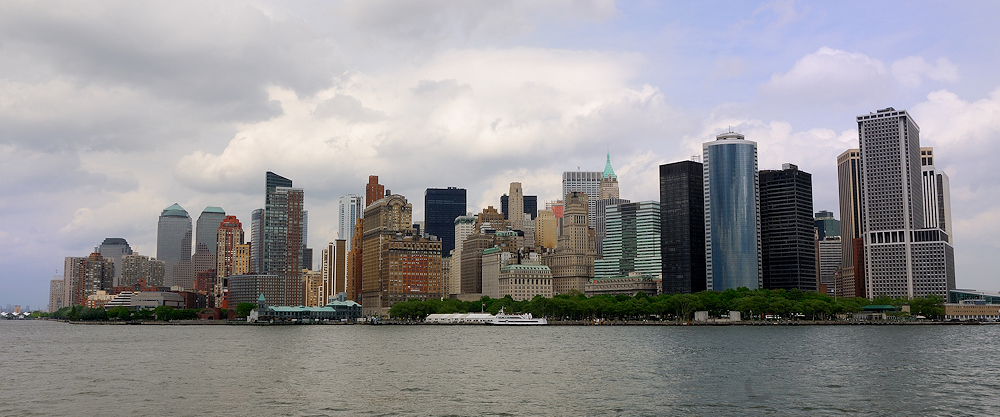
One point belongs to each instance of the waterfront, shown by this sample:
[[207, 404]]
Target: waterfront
[[51, 368]]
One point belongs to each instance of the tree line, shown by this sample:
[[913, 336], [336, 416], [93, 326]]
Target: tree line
[[753, 304], [162, 313]]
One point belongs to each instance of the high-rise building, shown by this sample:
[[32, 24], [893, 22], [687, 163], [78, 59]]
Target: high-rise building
[[732, 213], [546, 229], [682, 225], [788, 247], [852, 264], [207, 231], [633, 241], [397, 264], [902, 258], [465, 226], [441, 207], [283, 245], [530, 205], [173, 246], [572, 262], [84, 277], [587, 182], [229, 239], [142, 271], [492, 219], [355, 265], [829, 260], [373, 190], [333, 269], [115, 248], [937, 194], [516, 209], [600, 232], [257, 241], [608, 185], [826, 224], [350, 208], [56, 293]]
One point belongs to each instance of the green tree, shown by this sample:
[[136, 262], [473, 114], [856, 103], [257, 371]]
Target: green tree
[[119, 313], [163, 313], [244, 309]]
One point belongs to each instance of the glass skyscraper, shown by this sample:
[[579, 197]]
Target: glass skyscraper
[[633, 240], [441, 207], [682, 220], [788, 245], [732, 213], [173, 246]]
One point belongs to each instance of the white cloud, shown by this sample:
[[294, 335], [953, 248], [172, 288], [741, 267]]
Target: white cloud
[[840, 78]]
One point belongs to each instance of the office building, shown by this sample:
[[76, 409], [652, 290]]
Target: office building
[[173, 246], [256, 241], [516, 210], [523, 281], [530, 205], [115, 248], [333, 269], [546, 229], [682, 225], [228, 247], [441, 207], [787, 229], [206, 237], [937, 195], [633, 241], [350, 208], [465, 226], [589, 183], [732, 213], [283, 242], [607, 187], [600, 232], [851, 279], [56, 293], [902, 257], [572, 262], [829, 261], [826, 224], [397, 265]]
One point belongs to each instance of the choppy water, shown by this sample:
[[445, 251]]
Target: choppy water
[[51, 368]]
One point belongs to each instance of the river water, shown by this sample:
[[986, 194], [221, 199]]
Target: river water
[[57, 369]]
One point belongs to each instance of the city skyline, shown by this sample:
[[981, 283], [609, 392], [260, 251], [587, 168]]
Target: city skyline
[[326, 107]]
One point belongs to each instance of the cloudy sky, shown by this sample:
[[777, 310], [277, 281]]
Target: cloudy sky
[[112, 111]]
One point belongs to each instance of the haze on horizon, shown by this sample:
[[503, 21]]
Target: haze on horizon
[[112, 111]]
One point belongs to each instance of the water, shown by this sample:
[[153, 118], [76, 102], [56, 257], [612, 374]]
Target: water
[[51, 368]]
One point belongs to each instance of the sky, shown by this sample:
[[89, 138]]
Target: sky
[[112, 111]]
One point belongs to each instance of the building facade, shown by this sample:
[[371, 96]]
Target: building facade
[[682, 225], [732, 213], [589, 183], [852, 270], [441, 207], [173, 246], [902, 258], [572, 262], [142, 271], [115, 248], [633, 241], [788, 246], [937, 195], [85, 276], [350, 208]]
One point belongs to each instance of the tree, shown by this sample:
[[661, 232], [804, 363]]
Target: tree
[[163, 313], [244, 309], [119, 313]]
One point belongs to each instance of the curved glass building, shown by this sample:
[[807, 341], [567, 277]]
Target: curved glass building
[[173, 246], [732, 213]]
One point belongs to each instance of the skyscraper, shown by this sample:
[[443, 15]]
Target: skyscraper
[[788, 249], [826, 224], [229, 238], [441, 207], [373, 190], [902, 258], [682, 205], [115, 248], [333, 267], [283, 242], [937, 194], [851, 280], [633, 240], [608, 185], [732, 213], [587, 182], [516, 210], [206, 242], [350, 208], [257, 241], [572, 263], [83, 277], [465, 226], [173, 246]]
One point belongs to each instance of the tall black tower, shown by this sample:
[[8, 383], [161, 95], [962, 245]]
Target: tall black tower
[[682, 227], [787, 238], [441, 207]]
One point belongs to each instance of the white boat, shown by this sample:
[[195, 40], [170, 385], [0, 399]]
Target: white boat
[[517, 319]]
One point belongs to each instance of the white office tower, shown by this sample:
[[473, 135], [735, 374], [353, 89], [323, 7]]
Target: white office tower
[[584, 182], [350, 208], [902, 257], [464, 227], [937, 195]]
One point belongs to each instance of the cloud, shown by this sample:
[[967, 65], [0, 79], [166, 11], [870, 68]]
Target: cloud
[[852, 79]]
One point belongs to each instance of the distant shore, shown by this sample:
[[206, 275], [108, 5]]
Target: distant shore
[[551, 323]]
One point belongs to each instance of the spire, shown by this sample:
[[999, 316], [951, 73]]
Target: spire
[[608, 171]]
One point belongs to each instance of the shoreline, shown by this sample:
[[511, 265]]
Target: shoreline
[[551, 323]]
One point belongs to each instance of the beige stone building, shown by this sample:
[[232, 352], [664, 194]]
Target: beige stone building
[[572, 262]]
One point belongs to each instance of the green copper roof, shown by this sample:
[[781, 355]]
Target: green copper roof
[[213, 209], [174, 211], [608, 171]]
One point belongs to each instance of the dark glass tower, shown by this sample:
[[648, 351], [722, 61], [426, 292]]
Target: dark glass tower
[[530, 205], [441, 207], [682, 225], [788, 248]]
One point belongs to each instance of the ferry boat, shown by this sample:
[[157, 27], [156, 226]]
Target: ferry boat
[[517, 319]]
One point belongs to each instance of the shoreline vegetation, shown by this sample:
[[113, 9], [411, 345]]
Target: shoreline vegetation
[[756, 307]]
